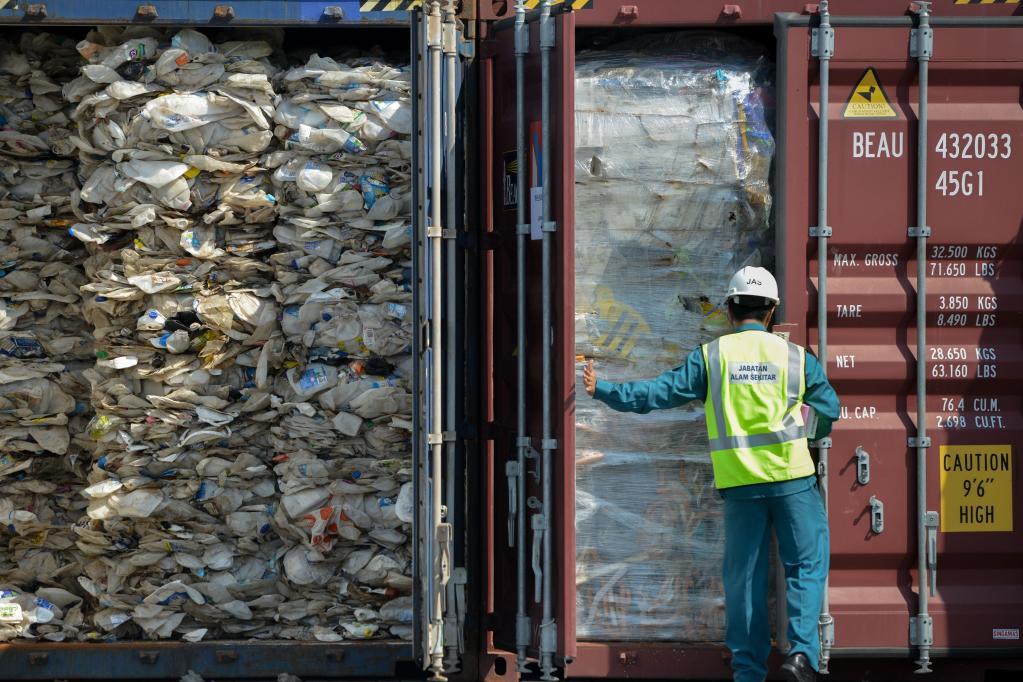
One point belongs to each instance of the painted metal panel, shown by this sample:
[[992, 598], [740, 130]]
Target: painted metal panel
[[498, 268], [975, 89], [667, 13], [210, 12], [974, 313]]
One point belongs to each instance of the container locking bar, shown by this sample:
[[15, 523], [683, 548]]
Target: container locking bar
[[922, 47], [548, 632], [822, 41], [523, 623]]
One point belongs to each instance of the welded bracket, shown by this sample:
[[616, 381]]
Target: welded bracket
[[522, 40], [821, 443], [822, 42], [816, 231], [546, 32], [549, 444], [915, 442], [437, 232], [550, 226], [921, 631], [522, 228], [921, 42], [919, 231]]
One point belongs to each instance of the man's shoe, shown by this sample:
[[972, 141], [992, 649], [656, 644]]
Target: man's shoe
[[797, 668]]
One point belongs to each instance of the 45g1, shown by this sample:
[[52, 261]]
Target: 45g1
[[960, 183]]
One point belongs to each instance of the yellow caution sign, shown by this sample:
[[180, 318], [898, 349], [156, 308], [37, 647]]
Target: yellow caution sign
[[868, 99], [976, 488]]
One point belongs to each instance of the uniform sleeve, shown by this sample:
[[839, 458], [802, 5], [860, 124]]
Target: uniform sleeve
[[820, 396], [673, 388]]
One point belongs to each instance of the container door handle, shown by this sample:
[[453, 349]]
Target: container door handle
[[511, 473], [539, 528]]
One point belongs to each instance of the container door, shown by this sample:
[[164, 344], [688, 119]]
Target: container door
[[973, 302], [440, 575], [503, 170]]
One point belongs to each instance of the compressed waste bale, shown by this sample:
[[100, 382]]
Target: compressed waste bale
[[231, 276], [45, 345], [343, 268], [673, 153]]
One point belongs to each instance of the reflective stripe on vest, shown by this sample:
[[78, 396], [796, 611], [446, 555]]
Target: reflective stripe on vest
[[791, 430]]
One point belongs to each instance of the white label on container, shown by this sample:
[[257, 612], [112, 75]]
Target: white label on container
[[1005, 633], [535, 213]]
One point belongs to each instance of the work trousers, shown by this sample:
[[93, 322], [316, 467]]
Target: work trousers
[[801, 525]]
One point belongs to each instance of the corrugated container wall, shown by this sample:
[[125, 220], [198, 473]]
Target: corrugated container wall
[[231, 304], [895, 234]]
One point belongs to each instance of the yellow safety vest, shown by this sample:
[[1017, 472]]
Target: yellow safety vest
[[756, 382]]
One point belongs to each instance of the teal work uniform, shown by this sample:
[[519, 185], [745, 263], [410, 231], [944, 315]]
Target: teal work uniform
[[793, 507]]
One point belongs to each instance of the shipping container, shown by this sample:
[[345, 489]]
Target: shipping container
[[896, 220], [435, 47]]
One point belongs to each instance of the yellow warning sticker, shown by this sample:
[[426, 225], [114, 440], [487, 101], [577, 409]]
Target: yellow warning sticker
[[976, 488], [868, 99]]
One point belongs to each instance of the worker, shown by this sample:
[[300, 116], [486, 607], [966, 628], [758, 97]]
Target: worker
[[754, 385]]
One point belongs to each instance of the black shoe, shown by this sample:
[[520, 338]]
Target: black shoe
[[797, 668]]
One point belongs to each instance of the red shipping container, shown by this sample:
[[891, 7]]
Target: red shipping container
[[973, 306]]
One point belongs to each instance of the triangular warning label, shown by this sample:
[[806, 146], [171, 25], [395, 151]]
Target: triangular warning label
[[868, 99]]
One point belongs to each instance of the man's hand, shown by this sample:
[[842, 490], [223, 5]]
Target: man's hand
[[590, 378]]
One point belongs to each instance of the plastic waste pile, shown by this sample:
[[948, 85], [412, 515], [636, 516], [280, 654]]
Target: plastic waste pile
[[242, 250], [673, 153], [343, 272], [44, 344]]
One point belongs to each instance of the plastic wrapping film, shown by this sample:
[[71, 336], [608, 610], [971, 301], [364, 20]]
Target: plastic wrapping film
[[205, 323], [673, 154]]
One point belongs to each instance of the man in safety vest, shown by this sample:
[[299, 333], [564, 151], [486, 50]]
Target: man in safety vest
[[753, 384]]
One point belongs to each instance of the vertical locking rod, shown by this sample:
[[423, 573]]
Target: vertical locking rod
[[548, 628], [825, 48], [923, 46], [452, 636], [523, 624], [434, 42]]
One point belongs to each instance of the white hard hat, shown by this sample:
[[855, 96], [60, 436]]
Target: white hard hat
[[752, 281]]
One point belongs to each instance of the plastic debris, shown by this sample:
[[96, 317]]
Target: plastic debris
[[672, 159], [205, 341]]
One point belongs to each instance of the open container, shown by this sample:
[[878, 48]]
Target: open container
[[438, 576], [920, 329]]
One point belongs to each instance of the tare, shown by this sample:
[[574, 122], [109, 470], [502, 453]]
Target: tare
[[878, 145]]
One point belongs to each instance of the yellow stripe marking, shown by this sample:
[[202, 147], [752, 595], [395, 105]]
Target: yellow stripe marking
[[392, 6]]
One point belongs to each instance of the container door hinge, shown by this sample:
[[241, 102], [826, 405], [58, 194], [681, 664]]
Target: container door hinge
[[862, 465], [876, 515], [820, 231], [822, 42]]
